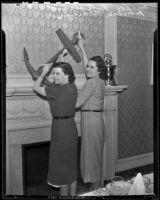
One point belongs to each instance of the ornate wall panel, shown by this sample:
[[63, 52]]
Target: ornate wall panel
[[135, 106], [26, 107], [33, 25]]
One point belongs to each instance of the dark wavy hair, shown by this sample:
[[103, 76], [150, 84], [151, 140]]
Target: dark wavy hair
[[67, 70], [100, 65]]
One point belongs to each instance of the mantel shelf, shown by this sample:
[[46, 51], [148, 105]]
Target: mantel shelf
[[118, 88], [27, 91], [10, 92], [19, 92]]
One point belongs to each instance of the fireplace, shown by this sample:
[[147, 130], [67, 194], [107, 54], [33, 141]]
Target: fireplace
[[34, 164], [28, 121], [35, 158]]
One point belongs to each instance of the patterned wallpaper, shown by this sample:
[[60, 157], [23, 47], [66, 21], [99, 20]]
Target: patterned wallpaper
[[33, 25], [135, 105]]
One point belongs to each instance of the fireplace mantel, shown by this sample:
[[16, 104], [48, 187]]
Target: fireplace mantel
[[28, 120], [110, 154]]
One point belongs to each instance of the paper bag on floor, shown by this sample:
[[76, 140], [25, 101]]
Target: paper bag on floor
[[138, 187]]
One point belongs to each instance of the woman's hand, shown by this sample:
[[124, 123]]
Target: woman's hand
[[46, 68], [37, 85], [61, 56], [81, 41]]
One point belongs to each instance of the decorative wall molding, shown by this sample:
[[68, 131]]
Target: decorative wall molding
[[24, 82], [134, 161], [29, 107], [19, 81], [20, 87]]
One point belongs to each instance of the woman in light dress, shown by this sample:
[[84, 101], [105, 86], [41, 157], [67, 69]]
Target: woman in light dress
[[91, 102]]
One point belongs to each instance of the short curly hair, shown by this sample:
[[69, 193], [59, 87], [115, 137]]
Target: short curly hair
[[67, 69]]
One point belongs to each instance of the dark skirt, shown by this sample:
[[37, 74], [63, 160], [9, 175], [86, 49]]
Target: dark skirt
[[62, 168]]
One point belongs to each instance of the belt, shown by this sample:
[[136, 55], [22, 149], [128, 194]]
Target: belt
[[63, 117], [92, 110]]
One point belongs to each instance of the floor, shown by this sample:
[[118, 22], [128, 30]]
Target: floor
[[37, 184], [44, 189]]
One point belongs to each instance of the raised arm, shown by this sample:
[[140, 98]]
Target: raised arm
[[81, 46], [37, 87]]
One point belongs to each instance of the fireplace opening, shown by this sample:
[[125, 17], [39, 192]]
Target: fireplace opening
[[35, 158], [35, 165]]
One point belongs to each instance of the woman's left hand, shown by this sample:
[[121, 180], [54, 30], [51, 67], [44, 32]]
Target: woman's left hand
[[46, 68], [81, 41], [61, 56]]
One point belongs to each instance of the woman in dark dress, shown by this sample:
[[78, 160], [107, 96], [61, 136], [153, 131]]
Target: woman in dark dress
[[62, 96]]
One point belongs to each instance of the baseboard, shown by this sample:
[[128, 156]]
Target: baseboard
[[134, 161]]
